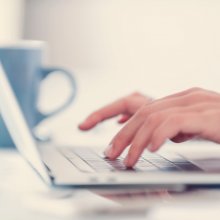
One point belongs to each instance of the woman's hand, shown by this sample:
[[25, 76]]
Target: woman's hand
[[125, 107], [179, 117]]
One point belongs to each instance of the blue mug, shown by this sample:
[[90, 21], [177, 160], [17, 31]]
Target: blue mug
[[22, 62]]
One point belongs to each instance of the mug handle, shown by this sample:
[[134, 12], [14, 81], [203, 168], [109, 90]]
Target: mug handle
[[47, 71]]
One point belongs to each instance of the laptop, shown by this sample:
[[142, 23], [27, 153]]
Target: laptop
[[87, 167]]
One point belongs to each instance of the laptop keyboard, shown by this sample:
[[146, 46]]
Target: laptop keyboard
[[87, 160]]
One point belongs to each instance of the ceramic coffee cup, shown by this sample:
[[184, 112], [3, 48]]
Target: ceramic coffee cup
[[22, 62]]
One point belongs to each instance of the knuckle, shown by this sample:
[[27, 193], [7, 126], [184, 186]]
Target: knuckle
[[154, 118], [125, 102], [176, 119], [193, 97], [195, 89], [201, 96], [136, 93]]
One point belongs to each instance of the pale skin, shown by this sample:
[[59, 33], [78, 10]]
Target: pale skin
[[194, 113]]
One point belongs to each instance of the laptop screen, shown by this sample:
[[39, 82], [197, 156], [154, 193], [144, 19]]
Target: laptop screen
[[17, 126]]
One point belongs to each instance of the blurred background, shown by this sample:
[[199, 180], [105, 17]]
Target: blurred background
[[114, 47]]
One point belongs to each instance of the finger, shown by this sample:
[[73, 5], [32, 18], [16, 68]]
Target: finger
[[156, 137], [138, 145], [118, 107], [205, 120], [124, 137], [189, 123], [143, 135], [128, 133], [109, 111], [124, 118]]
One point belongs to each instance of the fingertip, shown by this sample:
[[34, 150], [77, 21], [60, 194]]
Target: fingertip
[[128, 162], [80, 127], [83, 126], [86, 124]]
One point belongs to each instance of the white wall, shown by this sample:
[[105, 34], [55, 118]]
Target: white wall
[[158, 46], [11, 19]]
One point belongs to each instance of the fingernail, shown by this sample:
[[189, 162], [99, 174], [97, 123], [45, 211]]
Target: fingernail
[[108, 151], [81, 127]]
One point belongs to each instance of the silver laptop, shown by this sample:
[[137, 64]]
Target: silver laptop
[[87, 167]]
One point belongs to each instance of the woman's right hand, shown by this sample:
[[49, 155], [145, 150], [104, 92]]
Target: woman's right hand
[[126, 107]]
